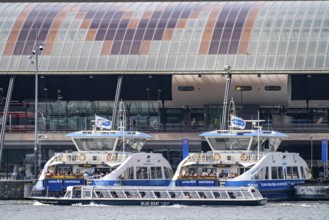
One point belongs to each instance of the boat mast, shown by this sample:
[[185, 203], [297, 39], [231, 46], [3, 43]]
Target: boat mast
[[227, 90]]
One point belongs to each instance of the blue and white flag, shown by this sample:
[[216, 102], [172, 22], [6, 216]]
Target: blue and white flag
[[103, 123], [237, 122]]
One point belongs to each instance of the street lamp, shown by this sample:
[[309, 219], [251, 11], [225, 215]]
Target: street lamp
[[38, 47], [46, 94], [159, 91], [148, 106], [227, 90], [311, 153], [40, 137]]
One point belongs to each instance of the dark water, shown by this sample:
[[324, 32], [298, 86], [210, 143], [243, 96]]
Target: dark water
[[29, 210]]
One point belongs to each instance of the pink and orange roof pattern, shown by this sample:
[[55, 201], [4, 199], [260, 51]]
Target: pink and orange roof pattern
[[130, 28]]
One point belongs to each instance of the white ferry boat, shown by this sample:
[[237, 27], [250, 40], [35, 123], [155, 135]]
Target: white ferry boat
[[104, 157], [157, 196], [241, 157]]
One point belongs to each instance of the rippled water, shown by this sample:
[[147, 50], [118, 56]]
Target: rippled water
[[29, 210]]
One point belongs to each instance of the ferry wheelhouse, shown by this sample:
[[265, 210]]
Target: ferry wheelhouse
[[104, 157], [242, 157]]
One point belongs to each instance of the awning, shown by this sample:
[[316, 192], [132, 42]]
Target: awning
[[247, 164]]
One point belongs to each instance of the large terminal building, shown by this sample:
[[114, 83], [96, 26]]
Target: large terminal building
[[172, 58]]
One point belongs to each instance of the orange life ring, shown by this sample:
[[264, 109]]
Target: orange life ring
[[109, 157], [217, 157], [82, 157], [244, 157]]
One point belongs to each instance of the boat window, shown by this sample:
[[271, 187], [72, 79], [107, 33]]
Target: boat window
[[263, 144], [274, 143], [208, 195], [302, 172], [246, 194], [238, 195], [267, 173], [289, 173], [103, 194], [179, 194], [76, 193], [120, 194], [229, 143], [86, 194], [149, 194], [223, 195], [191, 194], [168, 173], [164, 194], [280, 173], [258, 175], [274, 173], [216, 195], [68, 194], [114, 194], [87, 144], [156, 173], [142, 173], [231, 195], [295, 172], [256, 193], [132, 194], [129, 173], [131, 145]]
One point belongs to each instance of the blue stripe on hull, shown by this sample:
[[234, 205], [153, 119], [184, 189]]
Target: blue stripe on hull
[[130, 182]]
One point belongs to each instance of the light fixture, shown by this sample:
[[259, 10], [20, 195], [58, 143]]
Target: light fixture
[[309, 76], [37, 48], [227, 67], [150, 76]]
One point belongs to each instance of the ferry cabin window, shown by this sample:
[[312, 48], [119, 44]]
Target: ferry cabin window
[[246, 195], [94, 144], [280, 173], [129, 173], [164, 194], [130, 145], [142, 173], [103, 194], [259, 175], [289, 173], [274, 172], [168, 173], [295, 172], [302, 172], [229, 143], [274, 143], [156, 173], [86, 194], [267, 173], [149, 194]]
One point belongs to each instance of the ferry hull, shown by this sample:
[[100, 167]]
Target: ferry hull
[[270, 189], [149, 202]]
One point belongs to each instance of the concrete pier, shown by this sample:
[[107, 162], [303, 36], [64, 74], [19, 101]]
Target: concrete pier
[[15, 189]]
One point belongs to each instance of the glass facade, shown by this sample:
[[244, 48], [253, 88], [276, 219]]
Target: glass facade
[[165, 36]]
